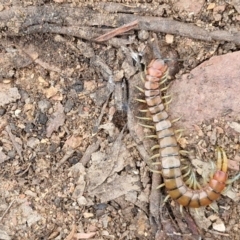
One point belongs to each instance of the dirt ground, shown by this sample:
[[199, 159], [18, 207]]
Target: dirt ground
[[74, 160]]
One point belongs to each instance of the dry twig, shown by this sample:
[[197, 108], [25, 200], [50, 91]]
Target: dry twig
[[10, 205], [50, 18], [117, 31]]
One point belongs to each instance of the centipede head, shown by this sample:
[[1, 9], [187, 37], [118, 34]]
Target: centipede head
[[157, 68]]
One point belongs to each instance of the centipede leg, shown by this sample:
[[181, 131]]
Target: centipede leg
[[151, 136], [167, 96], [166, 198], [140, 100], [143, 110], [160, 186], [155, 171], [176, 120], [165, 88], [144, 118], [184, 152], [179, 131], [156, 163], [140, 89], [155, 147], [155, 156], [167, 103]]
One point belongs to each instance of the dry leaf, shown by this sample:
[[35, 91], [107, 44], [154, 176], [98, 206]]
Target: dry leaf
[[119, 186], [72, 142], [219, 225], [50, 92]]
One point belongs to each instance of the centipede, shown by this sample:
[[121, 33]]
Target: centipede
[[169, 150]]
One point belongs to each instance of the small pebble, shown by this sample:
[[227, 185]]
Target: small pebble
[[42, 118], [11, 154], [82, 201], [78, 87], [68, 105], [44, 105], [2, 111], [143, 35], [29, 127]]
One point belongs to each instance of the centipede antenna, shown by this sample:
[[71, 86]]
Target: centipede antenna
[[154, 156], [155, 147], [144, 118], [146, 126], [143, 110], [140, 89], [151, 136], [140, 100], [160, 186]]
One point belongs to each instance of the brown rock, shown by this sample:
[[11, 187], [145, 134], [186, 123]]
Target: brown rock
[[189, 6], [211, 90]]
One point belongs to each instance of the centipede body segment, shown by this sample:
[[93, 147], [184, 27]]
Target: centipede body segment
[[169, 149]]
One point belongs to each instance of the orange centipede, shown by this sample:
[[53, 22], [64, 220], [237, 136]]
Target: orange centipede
[[169, 150]]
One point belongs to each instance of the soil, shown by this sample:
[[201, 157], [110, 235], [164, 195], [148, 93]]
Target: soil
[[74, 160]]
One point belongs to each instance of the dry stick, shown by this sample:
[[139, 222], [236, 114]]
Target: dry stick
[[10, 205], [43, 19], [117, 31], [95, 128], [70, 236], [67, 155], [87, 155], [15, 144]]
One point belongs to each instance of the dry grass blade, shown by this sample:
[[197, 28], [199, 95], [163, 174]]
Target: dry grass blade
[[117, 31]]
